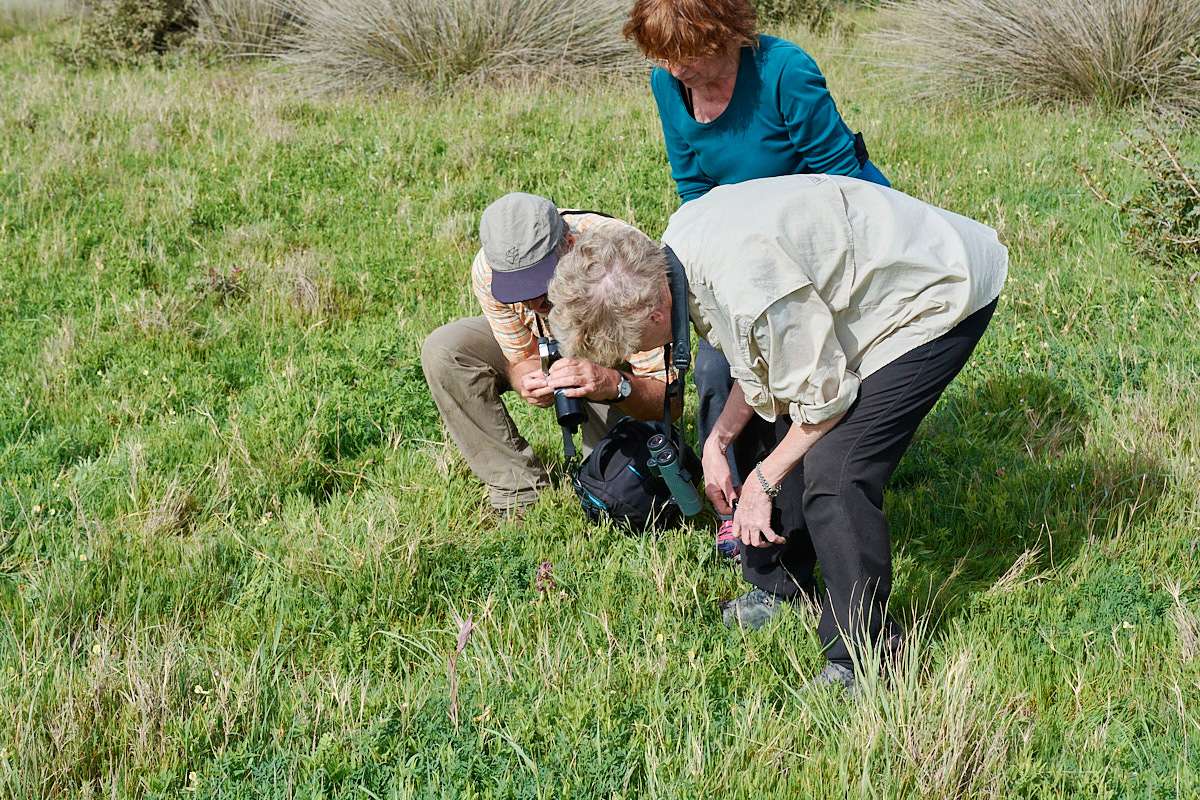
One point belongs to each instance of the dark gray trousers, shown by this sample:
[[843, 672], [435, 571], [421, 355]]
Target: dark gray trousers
[[830, 507]]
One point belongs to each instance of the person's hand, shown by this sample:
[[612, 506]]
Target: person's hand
[[580, 378], [718, 479], [534, 389], [752, 519]]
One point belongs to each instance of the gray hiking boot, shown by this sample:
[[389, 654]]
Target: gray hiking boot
[[753, 609], [834, 675]]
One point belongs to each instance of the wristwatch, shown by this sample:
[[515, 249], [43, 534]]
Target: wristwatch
[[624, 387]]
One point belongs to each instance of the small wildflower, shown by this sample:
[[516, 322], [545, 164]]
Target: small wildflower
[[83, 557], [96, 649], [37, 508], [200, 690]]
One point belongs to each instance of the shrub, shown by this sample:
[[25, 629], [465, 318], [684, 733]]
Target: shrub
[[129, 31], [1161, 219], [380, 44], [1164, 215], [816, 15], [244, 27], [1116, 52]]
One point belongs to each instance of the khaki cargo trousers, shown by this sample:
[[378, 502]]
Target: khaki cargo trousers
[[467, 372]]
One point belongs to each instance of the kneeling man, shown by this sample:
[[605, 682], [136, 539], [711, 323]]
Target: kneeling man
[[844, 309], [469, 363]]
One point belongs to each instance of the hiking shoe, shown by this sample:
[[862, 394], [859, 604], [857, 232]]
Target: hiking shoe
[[752, 610], [834, 675], [727, 541], [509, 515]]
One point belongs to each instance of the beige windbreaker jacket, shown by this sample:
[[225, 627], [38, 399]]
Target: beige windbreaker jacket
[[810, 283]]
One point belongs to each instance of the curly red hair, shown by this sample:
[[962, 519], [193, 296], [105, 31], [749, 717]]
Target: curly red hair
[[677, 30]]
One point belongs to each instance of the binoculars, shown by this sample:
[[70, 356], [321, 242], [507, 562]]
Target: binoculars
[[664, 460], [568, 410]]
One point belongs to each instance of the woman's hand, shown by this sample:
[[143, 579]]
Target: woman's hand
[[752, 520], [718, 479]]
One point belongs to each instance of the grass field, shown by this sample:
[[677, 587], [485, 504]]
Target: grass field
[[237, 553]]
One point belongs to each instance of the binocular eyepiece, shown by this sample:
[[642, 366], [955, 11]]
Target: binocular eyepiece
[[664, 460]]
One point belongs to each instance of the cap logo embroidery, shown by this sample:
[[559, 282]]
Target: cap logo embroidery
[[512, 254]]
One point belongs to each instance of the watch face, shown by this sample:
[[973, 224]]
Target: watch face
[[624, 388]]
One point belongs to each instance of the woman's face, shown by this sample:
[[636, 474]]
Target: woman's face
[[703, 70]]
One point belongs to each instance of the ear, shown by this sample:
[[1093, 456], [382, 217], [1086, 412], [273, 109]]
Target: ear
[[661, 312]]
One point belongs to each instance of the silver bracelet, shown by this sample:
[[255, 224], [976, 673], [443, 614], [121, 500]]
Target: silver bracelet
[[771, 491]]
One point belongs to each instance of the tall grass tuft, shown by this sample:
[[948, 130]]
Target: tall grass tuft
[[244, 27], [380, 44], [1116, 52], [17, 16]]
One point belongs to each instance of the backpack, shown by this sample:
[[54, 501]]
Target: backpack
[[615, 481]]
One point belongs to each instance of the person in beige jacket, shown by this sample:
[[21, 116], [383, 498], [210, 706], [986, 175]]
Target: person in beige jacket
[[845, 309]]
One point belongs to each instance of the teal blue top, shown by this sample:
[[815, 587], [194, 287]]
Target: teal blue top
[[781, 120]]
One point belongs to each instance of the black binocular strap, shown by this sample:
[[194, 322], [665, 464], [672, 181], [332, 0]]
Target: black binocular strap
[[679, 352]]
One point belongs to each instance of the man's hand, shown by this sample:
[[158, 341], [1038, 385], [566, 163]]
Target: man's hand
[[527, 378], [579, 378], [718, 479], [535, 390]]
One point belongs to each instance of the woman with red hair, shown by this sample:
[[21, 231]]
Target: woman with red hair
[[736, 105]]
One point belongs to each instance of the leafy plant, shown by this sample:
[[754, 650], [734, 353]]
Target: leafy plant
[[1162, 218], [129, 31], [816, 15]]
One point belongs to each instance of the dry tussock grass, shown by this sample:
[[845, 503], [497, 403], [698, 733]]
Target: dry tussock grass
[[128, 679], [172, 512], [56, 355], [302, 284], [1015, 575], [151, 314], [244, 27], [953, 726], [1187, 624], [384, 44], [1115, 51]]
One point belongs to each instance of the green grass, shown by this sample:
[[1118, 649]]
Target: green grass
[[235, 545]]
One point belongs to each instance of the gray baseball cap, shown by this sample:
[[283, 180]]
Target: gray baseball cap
[[521, 233]]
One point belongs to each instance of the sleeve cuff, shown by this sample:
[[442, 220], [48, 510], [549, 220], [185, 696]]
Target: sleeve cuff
[[814, 414]]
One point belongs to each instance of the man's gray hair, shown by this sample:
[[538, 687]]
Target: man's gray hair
[[604, 291]]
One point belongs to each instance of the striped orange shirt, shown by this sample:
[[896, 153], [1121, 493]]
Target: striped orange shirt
[[515, 325]]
